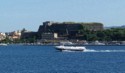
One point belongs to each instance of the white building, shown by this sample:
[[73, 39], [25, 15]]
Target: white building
[[14, 35], [2, 36]]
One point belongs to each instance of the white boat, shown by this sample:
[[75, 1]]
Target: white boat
[[97, 43], [66, 43], [2, 44], [123, 43], [70, 48]]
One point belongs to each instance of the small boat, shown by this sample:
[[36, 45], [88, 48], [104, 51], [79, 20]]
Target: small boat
[[97, 43], [2, 44], [66, 43], [70, 48]]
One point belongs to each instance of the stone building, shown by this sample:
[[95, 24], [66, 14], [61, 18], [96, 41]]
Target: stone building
[[28, 35], [67, 28], [49, 36]]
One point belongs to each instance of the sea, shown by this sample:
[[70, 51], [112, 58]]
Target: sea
[[46, 59]]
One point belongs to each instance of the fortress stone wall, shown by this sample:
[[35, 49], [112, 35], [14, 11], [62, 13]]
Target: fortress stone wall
[[68, 28]]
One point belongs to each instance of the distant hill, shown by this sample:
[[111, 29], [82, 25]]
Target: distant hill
[[123, 26]]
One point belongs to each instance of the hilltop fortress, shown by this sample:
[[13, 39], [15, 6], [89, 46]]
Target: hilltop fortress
[[51, 32], [68, 28], [65, 29]]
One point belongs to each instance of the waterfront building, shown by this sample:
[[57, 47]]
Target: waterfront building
[[49, 36], [14, 35], [2, 36]]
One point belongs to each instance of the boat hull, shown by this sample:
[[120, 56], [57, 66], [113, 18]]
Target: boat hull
[[70, 48]]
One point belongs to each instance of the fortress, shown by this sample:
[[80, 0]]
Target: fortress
[[68, 28]]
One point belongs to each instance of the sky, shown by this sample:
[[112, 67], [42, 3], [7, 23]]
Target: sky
[[30, 14]]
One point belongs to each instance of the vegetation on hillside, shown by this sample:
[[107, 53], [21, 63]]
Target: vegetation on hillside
[[114, 34]]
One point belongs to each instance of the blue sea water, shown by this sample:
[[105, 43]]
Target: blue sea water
[[46, 59]]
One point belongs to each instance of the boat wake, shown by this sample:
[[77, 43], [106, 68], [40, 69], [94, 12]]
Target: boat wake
[[91, 50]]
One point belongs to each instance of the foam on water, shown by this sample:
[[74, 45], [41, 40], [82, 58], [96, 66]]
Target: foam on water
[[92, 50]]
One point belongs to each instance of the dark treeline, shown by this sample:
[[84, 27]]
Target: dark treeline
[[113, 34]]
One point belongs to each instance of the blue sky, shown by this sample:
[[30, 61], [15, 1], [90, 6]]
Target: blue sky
[[29, 14]]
